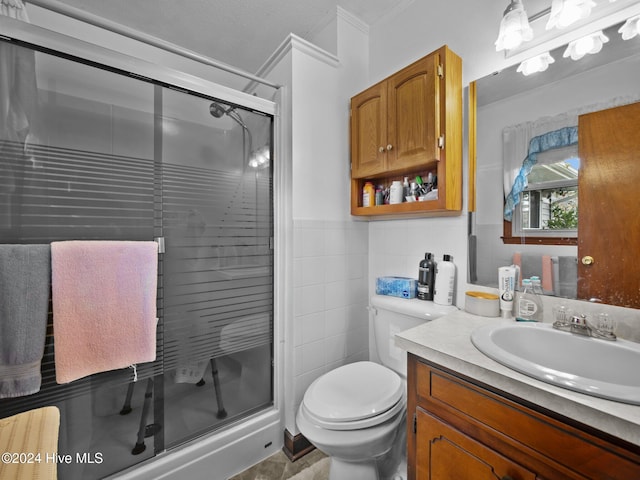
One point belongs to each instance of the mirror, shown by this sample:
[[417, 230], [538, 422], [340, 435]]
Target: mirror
[[507, 99]]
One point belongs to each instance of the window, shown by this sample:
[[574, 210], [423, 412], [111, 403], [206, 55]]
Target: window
[[549, 204], [547, 210]]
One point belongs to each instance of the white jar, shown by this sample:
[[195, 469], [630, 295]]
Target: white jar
[[396, 192]]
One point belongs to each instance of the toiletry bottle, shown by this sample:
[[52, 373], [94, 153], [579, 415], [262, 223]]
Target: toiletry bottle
[[426, 277], [429, 181], [445, 280], [506, 286], [422, 189], [537, 290], [529, 305], [380, 195], [406, 190], [396, 192], [536, 284], [368, 195]]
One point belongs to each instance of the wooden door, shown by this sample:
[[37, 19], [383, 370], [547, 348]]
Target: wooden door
[[444, 453], [414, 115], [368, 126], [609, 206]]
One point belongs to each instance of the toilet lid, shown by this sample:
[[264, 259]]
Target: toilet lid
[[353, 392]]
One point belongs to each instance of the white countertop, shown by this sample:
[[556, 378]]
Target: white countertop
[[446, 341]]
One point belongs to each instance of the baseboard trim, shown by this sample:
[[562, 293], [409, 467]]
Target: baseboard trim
[[296, 446]]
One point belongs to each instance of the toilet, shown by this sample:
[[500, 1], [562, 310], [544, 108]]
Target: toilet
[[356, 414]]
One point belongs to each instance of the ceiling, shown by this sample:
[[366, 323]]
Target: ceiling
[[241, 33]]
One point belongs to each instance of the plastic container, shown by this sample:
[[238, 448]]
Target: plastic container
[[482, 303], [529, 305], [396, 193], [426, 277], [368, 195], [380, 195], [445, 281]]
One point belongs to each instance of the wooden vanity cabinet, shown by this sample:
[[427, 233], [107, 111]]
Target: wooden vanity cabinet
[[459, 429], [406, 125]]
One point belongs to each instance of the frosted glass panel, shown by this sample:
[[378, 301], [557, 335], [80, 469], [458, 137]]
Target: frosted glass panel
[[218, 288]]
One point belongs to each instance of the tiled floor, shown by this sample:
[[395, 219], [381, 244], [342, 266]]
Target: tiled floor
[[279, 467]]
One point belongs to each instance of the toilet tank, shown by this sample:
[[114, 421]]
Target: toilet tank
[[391, 315]]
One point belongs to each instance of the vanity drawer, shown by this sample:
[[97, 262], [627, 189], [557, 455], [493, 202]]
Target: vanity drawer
[[528, 436]]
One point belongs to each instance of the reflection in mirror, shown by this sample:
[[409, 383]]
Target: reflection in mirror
[[543, 232]]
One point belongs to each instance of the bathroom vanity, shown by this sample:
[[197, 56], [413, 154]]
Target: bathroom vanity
[[471, 417]]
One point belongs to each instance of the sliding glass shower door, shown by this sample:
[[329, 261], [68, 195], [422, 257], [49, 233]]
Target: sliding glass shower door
[[101, 155], [218, 264]]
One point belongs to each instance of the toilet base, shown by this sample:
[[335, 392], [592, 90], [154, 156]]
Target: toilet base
[[341, 470]]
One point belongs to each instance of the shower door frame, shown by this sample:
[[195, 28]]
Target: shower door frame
[[251, 438]]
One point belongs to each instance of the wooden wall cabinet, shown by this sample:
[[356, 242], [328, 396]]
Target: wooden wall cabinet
[[406, 125], [460, 429]]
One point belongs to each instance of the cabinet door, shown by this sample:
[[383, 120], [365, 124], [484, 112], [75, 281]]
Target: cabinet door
[[369, 132], [444, 453], [414, 115]]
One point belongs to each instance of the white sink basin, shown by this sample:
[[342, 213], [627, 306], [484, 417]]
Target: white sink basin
[[607, 369]]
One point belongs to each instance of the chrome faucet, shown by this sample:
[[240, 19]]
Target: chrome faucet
[[580, 326]]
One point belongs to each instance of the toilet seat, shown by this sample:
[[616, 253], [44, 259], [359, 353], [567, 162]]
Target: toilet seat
[[354, 396]]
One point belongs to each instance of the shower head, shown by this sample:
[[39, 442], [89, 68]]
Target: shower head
[[217, 110]]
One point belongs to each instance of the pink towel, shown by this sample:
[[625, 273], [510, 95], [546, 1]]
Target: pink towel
[[547, 273], [104, 305]]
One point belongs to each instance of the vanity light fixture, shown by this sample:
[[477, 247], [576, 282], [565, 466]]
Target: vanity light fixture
[[588, 44], [565, 12], [536, 64], [631, 28], [514, 27]]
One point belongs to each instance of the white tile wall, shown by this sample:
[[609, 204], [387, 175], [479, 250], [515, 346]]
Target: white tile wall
[[330, 297], [397, 246]]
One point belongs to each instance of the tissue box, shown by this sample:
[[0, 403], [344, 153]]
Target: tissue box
[[397, 286]]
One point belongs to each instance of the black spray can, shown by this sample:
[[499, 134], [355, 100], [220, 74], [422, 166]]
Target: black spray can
[[426, 277]]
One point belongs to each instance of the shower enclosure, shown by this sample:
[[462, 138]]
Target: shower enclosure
[[90, 152]]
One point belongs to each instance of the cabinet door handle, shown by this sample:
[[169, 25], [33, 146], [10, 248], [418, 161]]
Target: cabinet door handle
[[381, 149], [389, 147]]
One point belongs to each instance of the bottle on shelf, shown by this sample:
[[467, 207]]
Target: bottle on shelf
[[396, 192], [406, 190], [368, 195], [379, 195]]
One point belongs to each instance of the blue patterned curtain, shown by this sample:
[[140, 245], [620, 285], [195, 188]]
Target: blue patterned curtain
[[562, 137]]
